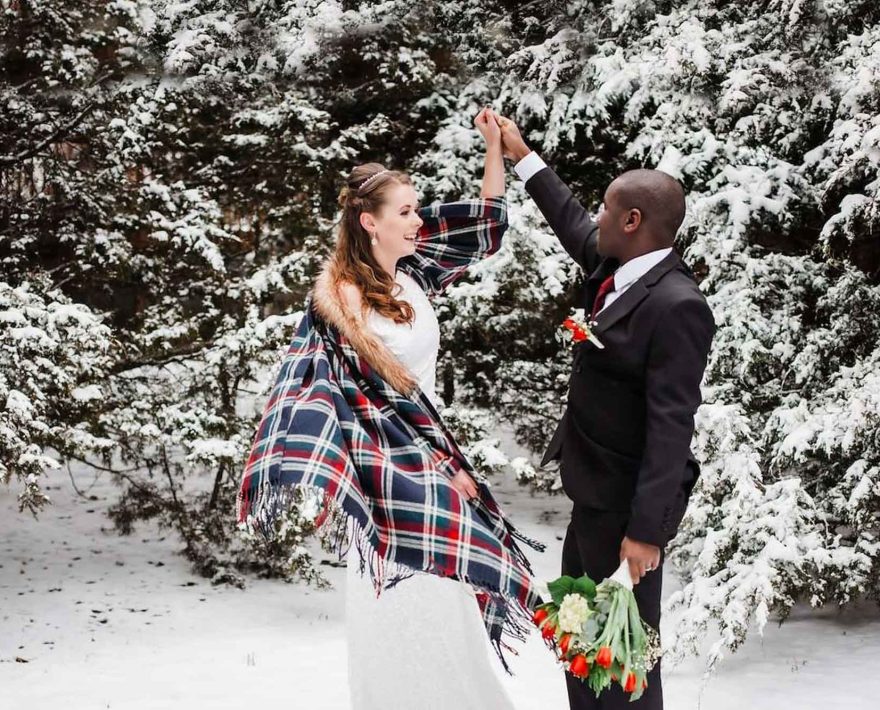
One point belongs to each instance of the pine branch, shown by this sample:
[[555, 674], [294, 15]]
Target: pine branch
[[10, 160]]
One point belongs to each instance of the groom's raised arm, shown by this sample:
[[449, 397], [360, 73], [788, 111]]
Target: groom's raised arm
[[564, 213]]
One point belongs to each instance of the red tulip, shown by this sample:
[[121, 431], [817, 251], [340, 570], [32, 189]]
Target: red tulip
[[630, 685], [579, 667], [614, 677], [604, 657], [564, 643], [548, 631], [539, 616]]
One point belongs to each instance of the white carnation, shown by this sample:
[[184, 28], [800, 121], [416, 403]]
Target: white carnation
[[573, 613]]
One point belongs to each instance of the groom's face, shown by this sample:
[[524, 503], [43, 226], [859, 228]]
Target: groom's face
[[609, 235], [618, 223]]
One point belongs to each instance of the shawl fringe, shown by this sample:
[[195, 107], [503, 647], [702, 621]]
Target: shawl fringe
[[332, 525]]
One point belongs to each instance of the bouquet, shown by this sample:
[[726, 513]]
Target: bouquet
[[575, 329], [597, 632]]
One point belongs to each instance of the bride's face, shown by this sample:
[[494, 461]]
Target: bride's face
[[396, 223]]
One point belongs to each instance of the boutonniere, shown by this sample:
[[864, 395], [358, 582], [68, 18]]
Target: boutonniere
[[576, 329]]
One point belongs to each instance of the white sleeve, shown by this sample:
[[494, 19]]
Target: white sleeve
[[529, 165]]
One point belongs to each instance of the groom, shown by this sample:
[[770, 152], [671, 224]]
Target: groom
[[624, 439]]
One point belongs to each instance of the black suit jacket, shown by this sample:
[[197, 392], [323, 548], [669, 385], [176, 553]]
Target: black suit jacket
[[624, 438]]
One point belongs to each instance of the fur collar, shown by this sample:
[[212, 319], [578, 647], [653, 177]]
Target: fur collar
[[332, 307]]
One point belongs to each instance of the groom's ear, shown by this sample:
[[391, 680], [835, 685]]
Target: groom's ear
[[633, 220]]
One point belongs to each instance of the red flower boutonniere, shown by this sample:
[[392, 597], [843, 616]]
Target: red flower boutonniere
[[575, 329]]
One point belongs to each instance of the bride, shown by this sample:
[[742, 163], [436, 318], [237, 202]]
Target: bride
[[353, 415]]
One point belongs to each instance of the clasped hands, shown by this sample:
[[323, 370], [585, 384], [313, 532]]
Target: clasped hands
[[501, 133]]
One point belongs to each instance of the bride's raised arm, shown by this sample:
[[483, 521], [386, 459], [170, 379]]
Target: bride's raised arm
[[493, 171], [456, 235]]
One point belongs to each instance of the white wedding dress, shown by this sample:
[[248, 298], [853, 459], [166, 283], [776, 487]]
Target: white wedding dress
[[421, 644]]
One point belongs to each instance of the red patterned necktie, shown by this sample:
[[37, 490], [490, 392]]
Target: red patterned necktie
[[606, 288]]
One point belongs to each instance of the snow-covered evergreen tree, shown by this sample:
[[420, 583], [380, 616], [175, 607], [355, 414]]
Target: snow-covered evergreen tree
[[169, 173], [770, 114]]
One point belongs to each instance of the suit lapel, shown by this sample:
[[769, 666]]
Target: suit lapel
[[605, 268], [628, 300], [633, 295]]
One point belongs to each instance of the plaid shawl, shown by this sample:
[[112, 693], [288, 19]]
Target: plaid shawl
[[383, 457]]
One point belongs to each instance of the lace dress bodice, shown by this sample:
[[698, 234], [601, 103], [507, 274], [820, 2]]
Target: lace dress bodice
[[415, 344]]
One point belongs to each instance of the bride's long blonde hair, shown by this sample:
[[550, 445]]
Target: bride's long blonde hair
[[353, 259]]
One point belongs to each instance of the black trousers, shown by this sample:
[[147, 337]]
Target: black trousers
[[592, 547]]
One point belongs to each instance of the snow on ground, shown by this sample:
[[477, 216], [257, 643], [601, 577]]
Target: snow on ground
[[120, 622]]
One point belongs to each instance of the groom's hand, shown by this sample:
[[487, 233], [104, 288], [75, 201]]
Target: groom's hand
[[642, 557], [486, 122], [512, 144]]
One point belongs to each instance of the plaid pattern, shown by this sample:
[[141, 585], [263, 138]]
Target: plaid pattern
[[454, 236], [333, 425]]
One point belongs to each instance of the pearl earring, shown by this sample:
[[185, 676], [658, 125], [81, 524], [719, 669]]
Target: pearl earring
[[374, 241]]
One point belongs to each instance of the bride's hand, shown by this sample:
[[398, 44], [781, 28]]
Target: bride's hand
[[487, 124], [464, 484]]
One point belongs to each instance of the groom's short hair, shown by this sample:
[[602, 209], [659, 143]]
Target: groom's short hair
[[657, 195]]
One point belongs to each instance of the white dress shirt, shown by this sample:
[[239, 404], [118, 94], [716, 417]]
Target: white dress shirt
[[627, 273], [529, 165]]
